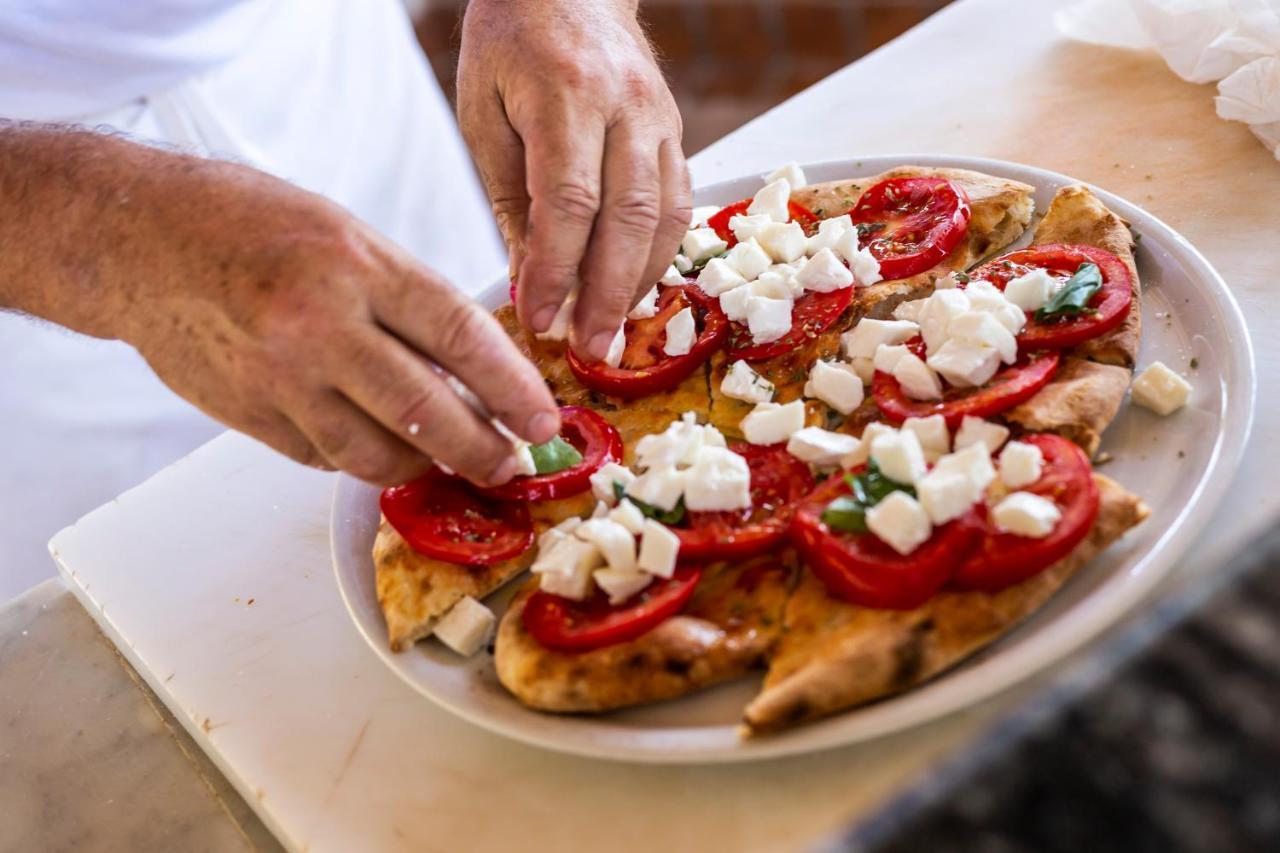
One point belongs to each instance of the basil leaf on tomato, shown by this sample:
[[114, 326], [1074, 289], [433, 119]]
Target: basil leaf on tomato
[[848, 513], [1074, 296], [554, 455], [675, 515]]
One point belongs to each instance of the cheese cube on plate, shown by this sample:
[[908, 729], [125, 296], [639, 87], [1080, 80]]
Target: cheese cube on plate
[[939, 310], [829, 233], [946, 495], [659, 548], [900, 522], [964, 365], [613, 357], [772, 201], [868, 336], [743, 383], [621, 584], [824, 273], [836, 384], [605, 476], [899, 456], [1020, 464], [1160, 389], [980, 329], [773, 423], [629, 516], [702, 243], [749, 259], [785, 242], [768, 319], [1025, 514], [717, 277], [720, 480], [648, 305], [566, 568], [660, 486], [748, 227], [1031, 290], [977, 431], [917, 379], [869, 434], [887, 357], [821, 447], [932, 432], [681, 332], [467, 627], [734, 303], [793, 174], [863, 264], [615, 542]]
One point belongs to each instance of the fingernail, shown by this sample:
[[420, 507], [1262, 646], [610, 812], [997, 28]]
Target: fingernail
[[503, 472], [543, 316], [542, 427], [598, 346]]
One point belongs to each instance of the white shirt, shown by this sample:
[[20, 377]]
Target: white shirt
[[333, 95]]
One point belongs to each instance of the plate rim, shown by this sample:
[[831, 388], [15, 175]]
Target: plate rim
[[1056, 641]]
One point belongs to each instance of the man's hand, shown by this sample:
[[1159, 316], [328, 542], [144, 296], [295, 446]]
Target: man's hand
[[578, 142], [268, 307]]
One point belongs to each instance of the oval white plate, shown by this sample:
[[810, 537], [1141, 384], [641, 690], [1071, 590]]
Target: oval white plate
[[1181, 465]]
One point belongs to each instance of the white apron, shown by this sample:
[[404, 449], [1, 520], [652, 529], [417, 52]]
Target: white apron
[[333, 95]]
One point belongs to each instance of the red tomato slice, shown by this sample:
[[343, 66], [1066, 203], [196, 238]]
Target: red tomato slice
[[1010, 386], [445, 517], [778, 481], [860, 568], [580, 626], [922, 220], [645, 369], [720, 222], [1003, 559], [1108, 307], [591, 435], [811, 315]]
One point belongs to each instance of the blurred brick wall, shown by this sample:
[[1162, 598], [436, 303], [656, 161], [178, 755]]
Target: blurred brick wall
[[728, 60]]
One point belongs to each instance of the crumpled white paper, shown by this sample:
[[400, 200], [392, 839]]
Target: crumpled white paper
[[1233, 42]]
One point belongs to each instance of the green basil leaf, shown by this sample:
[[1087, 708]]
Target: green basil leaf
[[554, 455], [1074, 296], [845, 514], [668, 517], [848, 513]]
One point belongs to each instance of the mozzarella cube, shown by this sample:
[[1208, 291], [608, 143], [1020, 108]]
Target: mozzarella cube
[[824, 273], [605, 476], [743, 383], [865, 368], [701, 214], [973, 463], [525, 466], [613, 357], [932, 432], [938, 312], [660, 486], [977, 431], [829, 233], [648, 305], [467, 627], [835, 384], [566, 568], [887, 357], [821, 447], [629, 516], [621, 584], [793, 174], [748, 227], [681, 332], [559, 328], [677, 445], [946, 495], [773, 423], [682, 263], [672, 277], [615, 542], [702, 243], [861, 453], [900, 522], [601, 510], [768, 319], [563, 530], [749, 259], [772, 201], [734, 303], [868, 335], [771, 285], [720, 480], [1031, 290], [784, 242], [863, 264], [1020, 464], [980, 329], [718, 276], [985, 296], [1160, 389], [1025, 514], [946, 282], [964, 365], [899, 456], [659, 548], [917, 379], [909, 311]]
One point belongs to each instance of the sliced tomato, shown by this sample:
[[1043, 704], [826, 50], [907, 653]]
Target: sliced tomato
[[811, 315], [911, 224], [580, 626], [445, 517], [778, 481], [1010, 386], [1003, 559], [591, 435], [861, 568], [720, 222], [1107, 309], [645, 369]]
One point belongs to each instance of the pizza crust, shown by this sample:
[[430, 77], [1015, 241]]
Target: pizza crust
[[1078, 404]]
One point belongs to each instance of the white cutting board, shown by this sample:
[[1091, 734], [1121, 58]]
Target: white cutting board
[[214, 579]]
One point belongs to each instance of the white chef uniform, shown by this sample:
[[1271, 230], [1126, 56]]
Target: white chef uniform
[[333, 95]]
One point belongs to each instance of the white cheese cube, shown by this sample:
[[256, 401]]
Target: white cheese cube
[[681, 333], [863, 451], [563, 530], [946, 282], [863, 264], [793, 174], [615, 542], [1026, 514], [672, 277], [525, 466], [887, 357], [964, 365], [985, 296], [659, 548], [938, 312], [980, 329], [467, 627], [821, 447], [748, 227], [720, 480], [868, 335], [917, 379], [677, 445], [1020, 464], [601, 510], [824, 273], [1031, 290], [621, 584], [702, 243], [768, 319], [660, 486], [784, 242], [910, 310], [935, 438], [829, 233], [900, 522], [749, 259], [771, 285], [605, 476], [899, 456], [743, 383], [717, 277], [734, 303], [566, 568], [648, 305], [559, 328], [772, 201], [629, 516], [613, 357], [1160, 389], [836, 384], [865, 368], [977, 431], [946, 495], [973, 463], [701, 214], [773, 423], [682, 263]]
